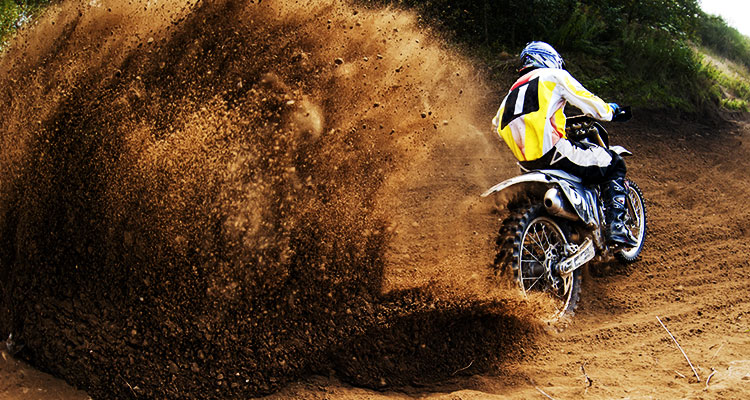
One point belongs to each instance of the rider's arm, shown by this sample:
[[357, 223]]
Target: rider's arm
[[577, 95]]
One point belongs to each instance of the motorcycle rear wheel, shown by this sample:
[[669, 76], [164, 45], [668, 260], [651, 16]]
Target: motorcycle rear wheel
[[531, 242]]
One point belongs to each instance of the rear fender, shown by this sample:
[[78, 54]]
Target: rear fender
[[529, 185], [621, 150], [530, 179], [537, 183]]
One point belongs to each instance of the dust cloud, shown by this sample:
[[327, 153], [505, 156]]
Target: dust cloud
[[211, 199]]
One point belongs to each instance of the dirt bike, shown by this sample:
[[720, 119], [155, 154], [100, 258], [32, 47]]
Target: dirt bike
[[556, 225]]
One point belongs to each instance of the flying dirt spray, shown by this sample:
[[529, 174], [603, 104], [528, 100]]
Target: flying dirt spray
[[209, 199]]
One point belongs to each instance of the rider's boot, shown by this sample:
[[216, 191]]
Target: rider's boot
[[613, 195]]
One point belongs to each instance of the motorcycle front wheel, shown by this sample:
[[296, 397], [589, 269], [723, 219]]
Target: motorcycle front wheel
[[635, 221], [531, 243]]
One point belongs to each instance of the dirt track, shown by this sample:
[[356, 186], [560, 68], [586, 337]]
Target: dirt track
[[693, 275], [417, 306]]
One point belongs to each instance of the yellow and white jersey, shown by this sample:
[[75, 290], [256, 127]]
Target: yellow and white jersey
[[531, 118]]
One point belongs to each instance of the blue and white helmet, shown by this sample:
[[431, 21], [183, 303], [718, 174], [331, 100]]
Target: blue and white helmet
[[541, 55]]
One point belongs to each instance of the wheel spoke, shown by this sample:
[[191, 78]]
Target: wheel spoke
[[534, 236], [546, 237], [536, 280], [532, 256]]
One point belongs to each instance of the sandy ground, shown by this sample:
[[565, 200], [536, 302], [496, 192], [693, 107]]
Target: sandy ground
[[693, 276], [20, 381]]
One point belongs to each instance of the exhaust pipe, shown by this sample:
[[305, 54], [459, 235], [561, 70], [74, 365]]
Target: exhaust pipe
[[556, 205]]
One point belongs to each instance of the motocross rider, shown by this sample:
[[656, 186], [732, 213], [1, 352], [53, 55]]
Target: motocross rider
[[532, 123]]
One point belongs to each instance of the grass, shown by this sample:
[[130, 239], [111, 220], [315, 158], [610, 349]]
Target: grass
[[731, 80]]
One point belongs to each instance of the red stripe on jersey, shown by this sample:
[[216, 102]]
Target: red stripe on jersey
[[557, 130], [523, 80]]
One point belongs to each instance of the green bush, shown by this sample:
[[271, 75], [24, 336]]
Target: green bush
[[14, 13]]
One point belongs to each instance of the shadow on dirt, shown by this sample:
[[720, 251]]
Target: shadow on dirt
[[426, 341]]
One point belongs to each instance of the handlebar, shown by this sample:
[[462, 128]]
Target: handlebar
[[624, 114], [585, 128]]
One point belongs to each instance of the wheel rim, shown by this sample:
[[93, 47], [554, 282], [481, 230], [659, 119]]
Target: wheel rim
[[635, 222], [542, 246]]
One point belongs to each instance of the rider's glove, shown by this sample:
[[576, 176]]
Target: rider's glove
[[615, 108]]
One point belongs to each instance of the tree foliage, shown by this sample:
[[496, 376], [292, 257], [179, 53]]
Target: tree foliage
[[715, 34], [635, 51], [14, 13]]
